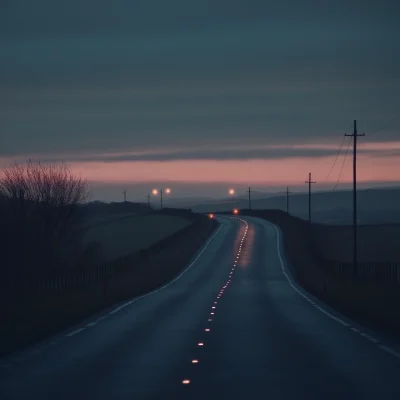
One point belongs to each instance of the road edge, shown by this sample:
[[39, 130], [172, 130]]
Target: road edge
[[287, 270], [95, 318]]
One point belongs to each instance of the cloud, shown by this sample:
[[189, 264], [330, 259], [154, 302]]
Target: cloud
[[91, 76], [211, 155], [233, 153], [140, 17]]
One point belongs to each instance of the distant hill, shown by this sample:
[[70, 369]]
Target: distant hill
[[375, 206], [190, 202], [99, 207]]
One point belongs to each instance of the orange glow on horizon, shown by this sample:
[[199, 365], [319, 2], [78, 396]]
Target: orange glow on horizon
[[291, 171]]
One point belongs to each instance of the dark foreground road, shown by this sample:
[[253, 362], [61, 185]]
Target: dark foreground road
[[263, 340]]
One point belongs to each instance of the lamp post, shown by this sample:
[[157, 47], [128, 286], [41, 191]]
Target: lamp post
[[232, 193], [161, 191]]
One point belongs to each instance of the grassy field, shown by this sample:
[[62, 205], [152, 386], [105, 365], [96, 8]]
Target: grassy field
[[97, 219], [122, 236], [376, 243]]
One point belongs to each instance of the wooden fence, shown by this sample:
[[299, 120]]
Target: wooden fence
[[24, 283], [381, 272], [301, 247]]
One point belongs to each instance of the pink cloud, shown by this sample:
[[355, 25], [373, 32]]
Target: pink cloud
[[276, 171]]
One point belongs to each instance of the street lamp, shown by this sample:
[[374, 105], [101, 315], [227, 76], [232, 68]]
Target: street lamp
[[232, 193], [166, 191]]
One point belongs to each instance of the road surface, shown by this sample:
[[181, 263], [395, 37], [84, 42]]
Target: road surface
[[263, 339]]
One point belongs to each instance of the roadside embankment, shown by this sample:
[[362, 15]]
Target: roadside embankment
[[38, 306]]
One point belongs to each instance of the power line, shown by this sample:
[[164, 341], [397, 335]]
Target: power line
[[355, 136], [344, 160], [337, 155], [386, 126], [287, 199], [309, 196], [249, 191]]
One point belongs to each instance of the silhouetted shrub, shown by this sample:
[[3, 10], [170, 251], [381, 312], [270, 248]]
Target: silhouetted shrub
[[40, 214]]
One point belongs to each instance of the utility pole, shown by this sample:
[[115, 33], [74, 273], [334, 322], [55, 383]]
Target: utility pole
[[249, 191], [309, 196], [161, 192], [287, 199], [124, 193], [148, 200], [355, 253]]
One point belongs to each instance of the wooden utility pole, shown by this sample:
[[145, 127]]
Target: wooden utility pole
[[161, 192], [287, 199], [124, 193], [148, 200], [249, 191], [309, 196], [355, 253]]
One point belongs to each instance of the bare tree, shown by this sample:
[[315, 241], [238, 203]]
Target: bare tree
[[42, 204]]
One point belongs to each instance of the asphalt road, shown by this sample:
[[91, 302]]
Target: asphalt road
[[264, 340]]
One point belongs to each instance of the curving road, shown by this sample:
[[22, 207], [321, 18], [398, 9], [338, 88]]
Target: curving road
[[265, 338]]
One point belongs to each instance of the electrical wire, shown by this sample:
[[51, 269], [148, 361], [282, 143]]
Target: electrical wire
[[348, 146], [337, 155], [344, 160]]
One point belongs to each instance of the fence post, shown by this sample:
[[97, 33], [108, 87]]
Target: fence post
[[397, 274], [105, 289]]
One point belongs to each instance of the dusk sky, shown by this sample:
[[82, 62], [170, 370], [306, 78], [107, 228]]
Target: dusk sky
[[201, 95]]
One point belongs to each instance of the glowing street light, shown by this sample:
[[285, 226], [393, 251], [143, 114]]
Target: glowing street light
[[166, 191], [232, 192], [235, 211]]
